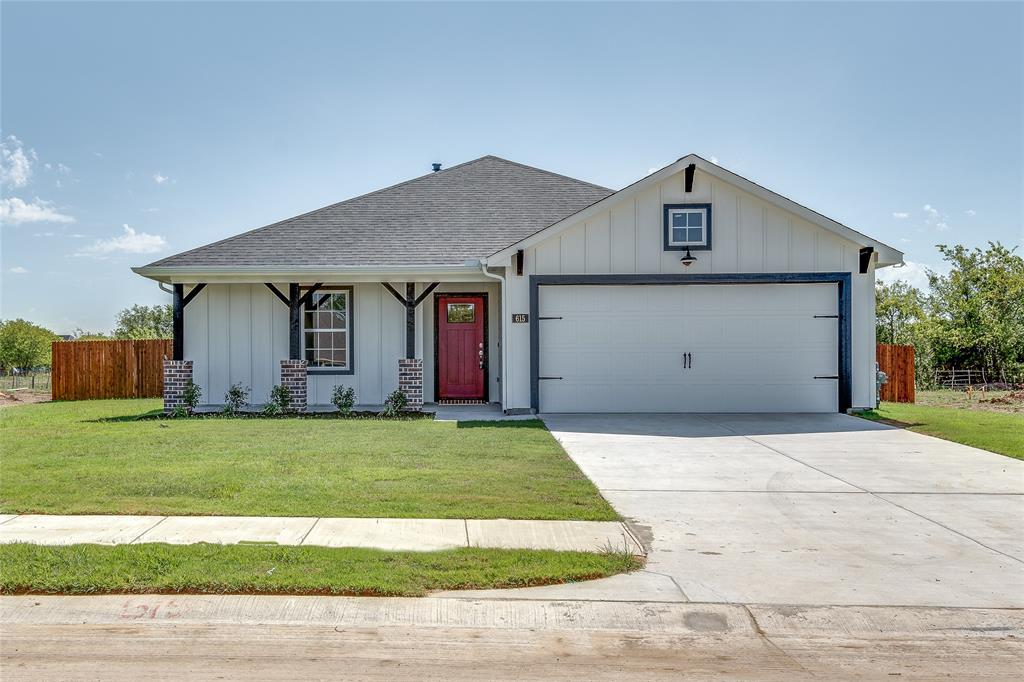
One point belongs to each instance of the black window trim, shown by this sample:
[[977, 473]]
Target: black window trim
[[665, 228]]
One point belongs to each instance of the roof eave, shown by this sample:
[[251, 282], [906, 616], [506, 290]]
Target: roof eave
[[185, 274]]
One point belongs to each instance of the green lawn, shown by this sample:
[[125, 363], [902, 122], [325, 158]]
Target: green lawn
[[261, 569], [995, 431], [96, 457]]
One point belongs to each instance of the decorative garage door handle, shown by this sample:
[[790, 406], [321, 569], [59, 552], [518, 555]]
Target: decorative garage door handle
[[550, 378], [827, 376], [687, 360]]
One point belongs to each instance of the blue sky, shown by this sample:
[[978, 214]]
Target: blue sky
[[132, 131]]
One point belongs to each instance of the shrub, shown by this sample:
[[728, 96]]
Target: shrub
[[236, 398], [394, 404], [344, 398], [280, 401], [191, 396], [179, 412]]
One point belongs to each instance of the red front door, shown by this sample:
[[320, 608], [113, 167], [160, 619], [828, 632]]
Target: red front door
[[461, 355]]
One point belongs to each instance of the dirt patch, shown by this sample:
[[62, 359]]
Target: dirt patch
[[22, 397], [990, 401], [1011, 398]]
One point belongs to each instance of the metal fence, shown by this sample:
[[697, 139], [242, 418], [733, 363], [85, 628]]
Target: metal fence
[[33, 381], [960, 379]]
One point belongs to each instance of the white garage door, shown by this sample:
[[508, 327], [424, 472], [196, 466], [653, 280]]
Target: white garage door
[[689, 348]]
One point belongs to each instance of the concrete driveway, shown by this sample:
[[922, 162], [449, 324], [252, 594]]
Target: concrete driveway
[[801, 509]]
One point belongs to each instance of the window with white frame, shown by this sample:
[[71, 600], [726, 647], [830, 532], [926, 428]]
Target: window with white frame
[[327, 329], [688, 226]]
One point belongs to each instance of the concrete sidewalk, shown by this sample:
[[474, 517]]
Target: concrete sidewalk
[[388, 534]]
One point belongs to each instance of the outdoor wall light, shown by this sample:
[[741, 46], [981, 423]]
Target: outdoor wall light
[[688, 259]]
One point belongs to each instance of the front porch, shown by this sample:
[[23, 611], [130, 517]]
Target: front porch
[[433, 340]]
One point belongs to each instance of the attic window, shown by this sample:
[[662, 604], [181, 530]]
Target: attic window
[[687, 226]]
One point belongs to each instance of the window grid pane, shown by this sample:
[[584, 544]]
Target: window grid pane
[[325, 329], [687, 227]]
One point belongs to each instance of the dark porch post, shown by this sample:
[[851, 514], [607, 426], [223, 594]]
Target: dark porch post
[[178, 322], [294, 321], [410, 320]]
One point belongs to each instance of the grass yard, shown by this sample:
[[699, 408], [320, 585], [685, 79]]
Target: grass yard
[[96, 457], [1001, 432], [261, 569]]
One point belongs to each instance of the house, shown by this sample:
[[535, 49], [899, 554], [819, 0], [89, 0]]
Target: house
[[693, 289]]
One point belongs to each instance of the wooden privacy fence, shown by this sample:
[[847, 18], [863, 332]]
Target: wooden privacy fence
[[89, 370], [898, 363]]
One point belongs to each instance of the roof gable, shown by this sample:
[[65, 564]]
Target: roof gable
[[444, 218], [887, 254]]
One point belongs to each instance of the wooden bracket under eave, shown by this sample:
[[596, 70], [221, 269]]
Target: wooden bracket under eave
[[865, 258], [689, 177]]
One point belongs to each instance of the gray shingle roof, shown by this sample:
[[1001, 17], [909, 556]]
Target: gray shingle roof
[[465, 212]]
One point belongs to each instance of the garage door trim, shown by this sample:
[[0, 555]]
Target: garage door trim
[[842, 280]]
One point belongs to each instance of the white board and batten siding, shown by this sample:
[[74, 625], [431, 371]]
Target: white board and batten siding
[[239, 333], [749, 235]]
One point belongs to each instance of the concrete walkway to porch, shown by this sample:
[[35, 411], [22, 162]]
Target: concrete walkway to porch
[[387, 534]]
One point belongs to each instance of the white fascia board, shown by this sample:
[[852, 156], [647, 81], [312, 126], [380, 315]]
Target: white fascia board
[[257, 274], [887, 255]]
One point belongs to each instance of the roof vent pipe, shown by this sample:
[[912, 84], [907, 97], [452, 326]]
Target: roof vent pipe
[[436, 166]]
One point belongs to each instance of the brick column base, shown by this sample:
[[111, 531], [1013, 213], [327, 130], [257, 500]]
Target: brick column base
[[410, 382], [177, 375], [293, 378]]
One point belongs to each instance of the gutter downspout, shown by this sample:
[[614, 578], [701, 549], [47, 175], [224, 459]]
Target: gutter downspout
[[503, 377], [166, 291]]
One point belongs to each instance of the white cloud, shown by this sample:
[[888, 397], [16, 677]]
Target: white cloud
[[44, 234], [129, 242], [904, 240], [15, 162], [18, 270], [714, 160], [652, 170], [150, 210], [971, 212], [913, 273], [900, 215], [160, 179], [935, 218], [15, 211]]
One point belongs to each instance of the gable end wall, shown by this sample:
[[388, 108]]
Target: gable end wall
[[749, 235]]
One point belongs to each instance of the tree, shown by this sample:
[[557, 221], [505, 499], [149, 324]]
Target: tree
[[24, 345], [899, 309], [82, 335], [978, 311], [144, 322]]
